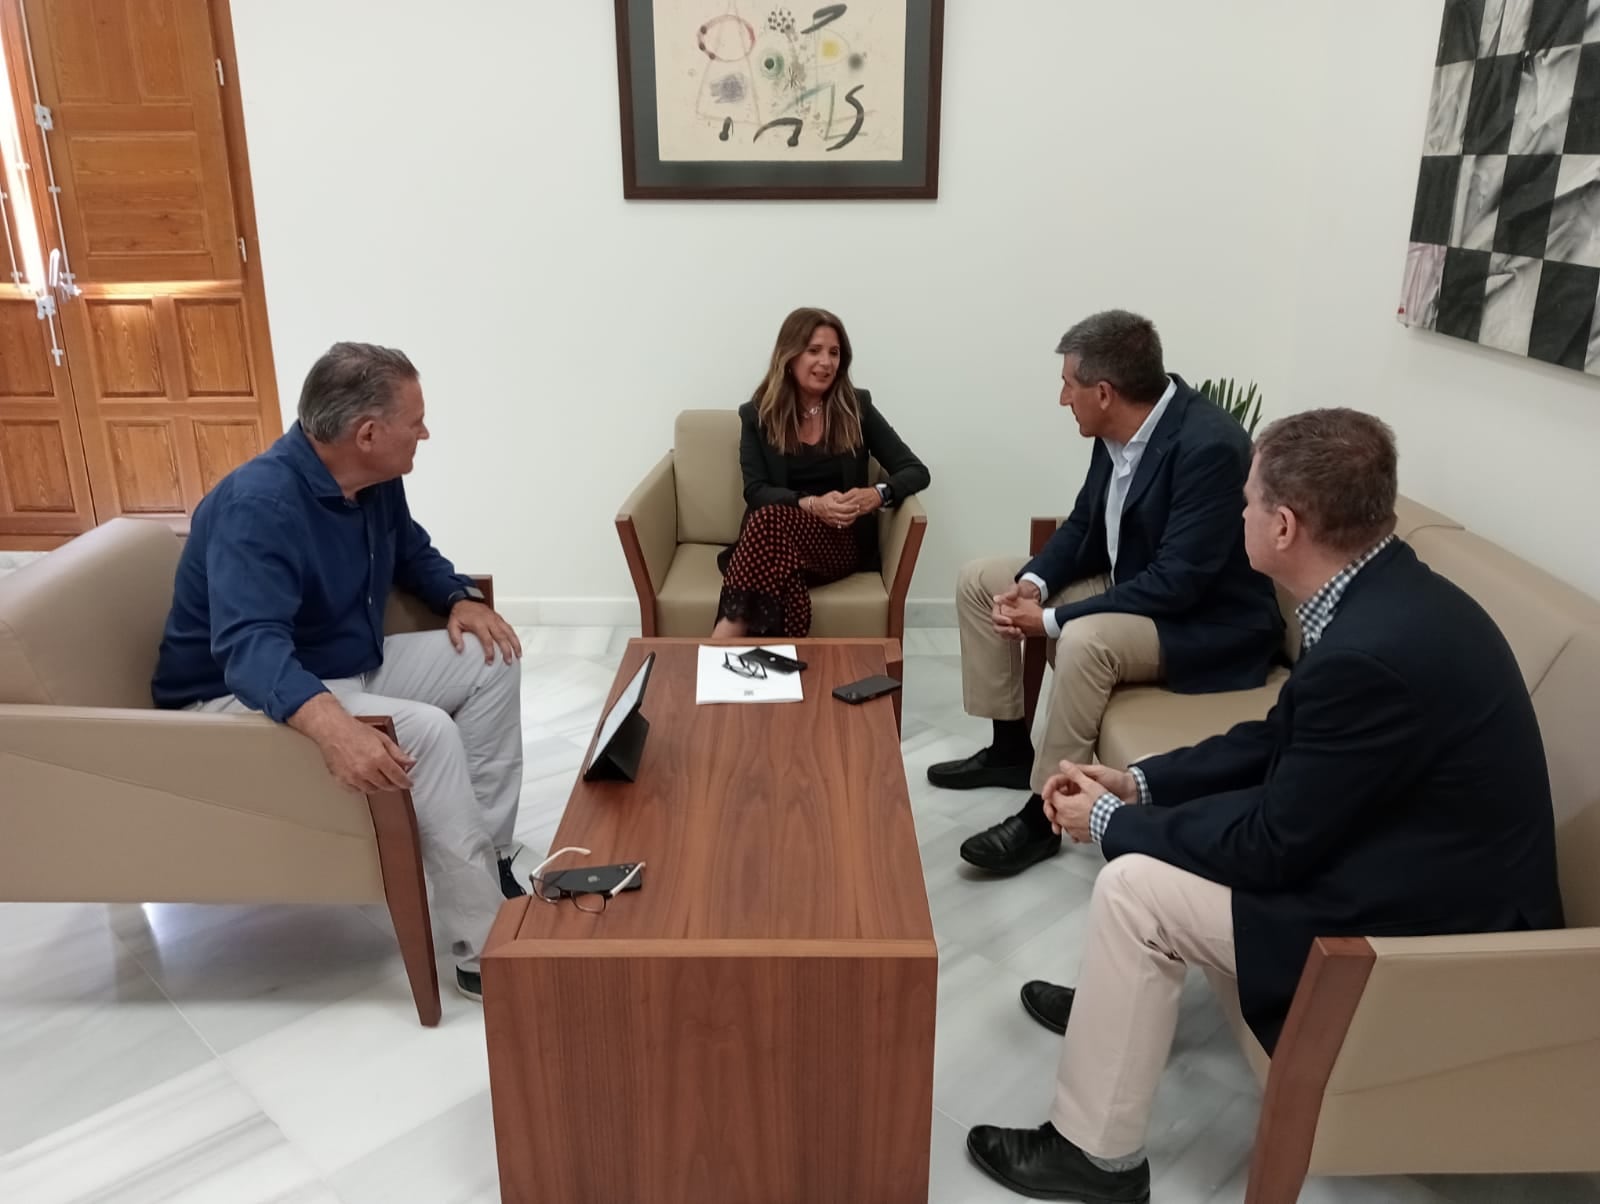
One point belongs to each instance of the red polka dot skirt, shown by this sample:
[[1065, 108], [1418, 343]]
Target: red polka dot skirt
[[781, 552]]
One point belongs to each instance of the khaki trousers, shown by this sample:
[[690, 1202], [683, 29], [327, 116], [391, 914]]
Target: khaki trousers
[[1093, 655], [1148, 923]]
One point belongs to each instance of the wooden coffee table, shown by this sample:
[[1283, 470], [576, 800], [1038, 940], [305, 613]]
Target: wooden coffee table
[[756, 1023]]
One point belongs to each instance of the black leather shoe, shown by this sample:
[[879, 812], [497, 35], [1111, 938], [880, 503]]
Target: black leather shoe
[[1043, 1165], [470, 983], [981, 769], [1047, 1003], [1009, 847], [509, 886]]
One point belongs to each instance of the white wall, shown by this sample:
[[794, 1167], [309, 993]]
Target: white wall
[[449, 181], [1508, 446]]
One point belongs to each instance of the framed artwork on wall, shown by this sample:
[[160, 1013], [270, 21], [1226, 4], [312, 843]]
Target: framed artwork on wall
[[773, 100], [1505, 231]]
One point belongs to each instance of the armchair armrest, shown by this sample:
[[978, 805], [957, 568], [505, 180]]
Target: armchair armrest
[[1465, 1054], [1040, 529], [647, 525], [407, 613], [900, 534]]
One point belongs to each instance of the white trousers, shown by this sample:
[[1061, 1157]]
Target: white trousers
[[462, 721]]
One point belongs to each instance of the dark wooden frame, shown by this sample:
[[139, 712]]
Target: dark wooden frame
[[775, 180], [646, 591], [1324, 1003], [405, 887]]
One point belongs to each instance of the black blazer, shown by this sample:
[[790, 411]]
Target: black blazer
[[1398, 788], [766, 470], [1181, 558]]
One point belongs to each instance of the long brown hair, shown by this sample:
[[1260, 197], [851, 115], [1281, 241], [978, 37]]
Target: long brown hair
[[777, 398]]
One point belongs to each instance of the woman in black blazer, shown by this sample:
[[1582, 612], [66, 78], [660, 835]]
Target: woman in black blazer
[[807, 437]]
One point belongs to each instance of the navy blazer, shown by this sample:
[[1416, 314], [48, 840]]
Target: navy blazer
[[1398, 788], [1181, 558]]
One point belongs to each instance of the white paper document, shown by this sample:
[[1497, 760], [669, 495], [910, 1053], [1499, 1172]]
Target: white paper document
[[716, 682]]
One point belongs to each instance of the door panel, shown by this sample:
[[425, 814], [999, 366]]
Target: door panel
[[44, 486], [167, 345], [139, 150]]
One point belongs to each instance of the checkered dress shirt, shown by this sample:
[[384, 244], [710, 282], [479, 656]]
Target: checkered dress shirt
[[1315, 613]]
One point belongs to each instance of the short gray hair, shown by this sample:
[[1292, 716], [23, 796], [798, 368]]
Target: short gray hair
[[349, 383], [1121, 349]]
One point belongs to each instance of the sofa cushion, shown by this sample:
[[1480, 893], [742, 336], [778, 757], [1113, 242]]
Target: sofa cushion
[[82, 626], [1566, 699], [705, 462], [686, 604], [1143, 720]]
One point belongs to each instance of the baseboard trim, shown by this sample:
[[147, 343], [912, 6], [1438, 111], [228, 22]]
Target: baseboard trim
[[624, 612]]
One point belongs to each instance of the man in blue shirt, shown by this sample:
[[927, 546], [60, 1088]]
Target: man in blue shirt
[[278, 607]]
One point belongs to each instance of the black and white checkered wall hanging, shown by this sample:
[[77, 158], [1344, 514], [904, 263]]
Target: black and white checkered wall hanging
[[1505, 235]]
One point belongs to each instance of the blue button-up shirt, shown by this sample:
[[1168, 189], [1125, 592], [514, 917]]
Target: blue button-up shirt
[[283, 583]]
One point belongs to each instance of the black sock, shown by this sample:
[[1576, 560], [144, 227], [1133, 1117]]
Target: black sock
[[1033, 815], [1012, 743]]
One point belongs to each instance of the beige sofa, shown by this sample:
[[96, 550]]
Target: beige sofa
[[103, 798], [688, 508], [1465, 1054]]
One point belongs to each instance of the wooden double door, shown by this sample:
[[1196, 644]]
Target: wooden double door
[[128, 211]]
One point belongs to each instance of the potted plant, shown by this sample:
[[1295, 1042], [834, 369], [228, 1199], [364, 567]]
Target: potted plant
[[1243, 404]]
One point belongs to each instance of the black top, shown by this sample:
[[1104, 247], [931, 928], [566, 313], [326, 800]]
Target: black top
[[774, 479], [1398, 788], [1181, 559]]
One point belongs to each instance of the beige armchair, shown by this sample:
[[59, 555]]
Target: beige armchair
[[688, 508], [104, 798], [1470, 1054]]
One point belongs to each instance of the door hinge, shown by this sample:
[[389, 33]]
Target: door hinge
[[42, 117], [244, 256], [220, 81]]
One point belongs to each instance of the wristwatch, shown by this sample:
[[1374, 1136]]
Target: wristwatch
[[465, 594], [885, 493]]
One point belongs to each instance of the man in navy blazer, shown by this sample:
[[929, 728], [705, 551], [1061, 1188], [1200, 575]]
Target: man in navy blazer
[[1398, 788], [1146, 581]]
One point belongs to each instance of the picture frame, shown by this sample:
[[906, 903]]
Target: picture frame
[[770, 100]]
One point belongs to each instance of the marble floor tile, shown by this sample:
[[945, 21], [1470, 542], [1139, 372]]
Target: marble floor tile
[[197, 1138], [82, 1027], [450, 1159], [244, 972], [356, 1075]]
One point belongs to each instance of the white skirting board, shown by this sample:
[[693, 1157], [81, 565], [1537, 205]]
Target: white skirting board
[[624, 612]]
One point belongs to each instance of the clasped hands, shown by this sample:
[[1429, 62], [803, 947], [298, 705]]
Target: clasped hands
[[1019, 612], [1070, 796], [841, 509]]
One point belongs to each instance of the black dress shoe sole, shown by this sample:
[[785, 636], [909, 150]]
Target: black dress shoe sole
[[1033, 855], [1003, 777], [1059, 1029], [1034, 1193]]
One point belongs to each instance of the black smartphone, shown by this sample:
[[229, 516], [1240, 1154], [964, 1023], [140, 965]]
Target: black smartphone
[[775, 661], [866, 688], [593, 879]]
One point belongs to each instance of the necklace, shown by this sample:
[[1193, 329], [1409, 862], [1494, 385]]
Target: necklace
[[813, 411]]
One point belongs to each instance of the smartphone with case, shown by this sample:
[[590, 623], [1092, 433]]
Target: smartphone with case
[[593, 880], [865, 689]]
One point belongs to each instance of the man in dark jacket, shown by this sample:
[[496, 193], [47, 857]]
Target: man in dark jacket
[[1146, 581], [1365, 804]]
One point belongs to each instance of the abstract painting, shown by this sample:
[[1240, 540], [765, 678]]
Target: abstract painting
[[766, 98], [1505, 232]]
